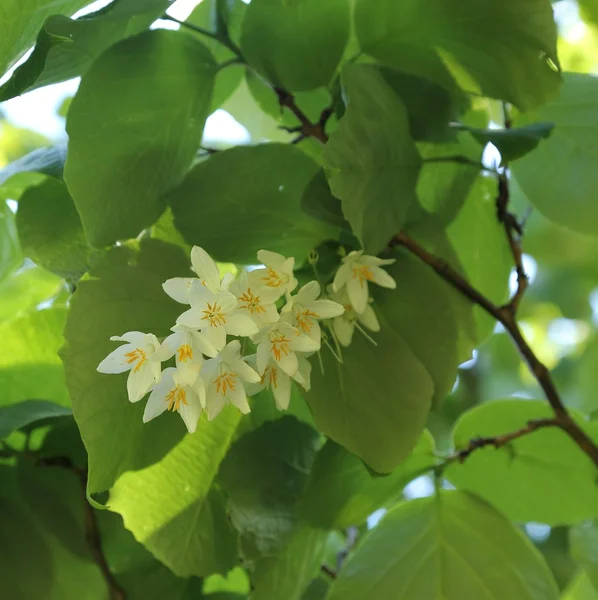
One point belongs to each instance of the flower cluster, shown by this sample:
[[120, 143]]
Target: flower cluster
[[211, 370]]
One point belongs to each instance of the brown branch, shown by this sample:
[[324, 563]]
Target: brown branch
[[328, 571], [307, 128], [506, 317], [92, 532]]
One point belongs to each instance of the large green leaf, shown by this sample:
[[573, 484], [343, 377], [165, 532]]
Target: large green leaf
[[341, 492], [448, 547], [10, 252], [542, 477], [50, 230], [172, 509], [259, 207], [372, 162], [580, 588], [29, 413], [49, 161], [563, 166], [65, 48], [25, 18], [133, 137], [29, 364], [288, 574], [376, 402], [466, 41], [296, 45], [120, 296], [583, 546], [263, 475]]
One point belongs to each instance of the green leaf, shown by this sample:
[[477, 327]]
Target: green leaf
[[319, 203], [10, 251], [25, 18], [583, 547], [341, 492], [49, 161], [29, 413], [450, 546], [580, 588], [65, 48], [29, 364], [466, 42], [50, 230], [372, 163], [25, 289], [512, 143], [263, 475], [133, 138], [559, 178], [296, 45], [543, 477], [383, 430], [172, 509], [481, 245], [120, 296], [234, 217], [288, 574]]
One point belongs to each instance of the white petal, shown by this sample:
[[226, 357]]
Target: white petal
[[206, 268], [303, 343], [245, 372], [240, 324], [271, 315], [291, 285], [117, 361], [369, 319], [200, 389], [226, 301], [156, 403], [231, 352], [137, 338], [263, 356], [178, 288], [303, 374], [374, 261], [191, 318], [342, 276], [191, 411], [282, 390], [325, 309], [214, 403], [308, 293], [382, 278], [343, 329], [169, 346], [199, 295], [216, 336], [139, 382], [202, 344], [271, 259], [238, 398], [358, 294], [288, 363]]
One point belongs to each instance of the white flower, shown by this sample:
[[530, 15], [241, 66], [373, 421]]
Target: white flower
[[344, 325], [307, 310], [187, 345], [275, 379], [258, 302], [181, 390], [355, 272], [139, 357], [224, 377], [280, 342], [278, 274], [207, 274], [215, 316]]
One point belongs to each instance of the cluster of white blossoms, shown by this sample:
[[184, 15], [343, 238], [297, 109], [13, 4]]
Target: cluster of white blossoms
[[210, 370]]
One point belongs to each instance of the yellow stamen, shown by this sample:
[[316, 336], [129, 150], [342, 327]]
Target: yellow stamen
[[185, 353], [363, 273], [136, 355], [176, 396], [272, 278], [252, 303], [270, 374], [225, 382], [214, 315], [280, 346], [304, 320]]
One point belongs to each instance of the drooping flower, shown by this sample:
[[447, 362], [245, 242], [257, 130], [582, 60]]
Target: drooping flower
[[207, 274], [277, 274], [344, 325], [139, 356], [280, 342], [275, 379], [180, 390], [187, 346], [215, 316], [306, 310], [355, 273], [258, 302], [225, 376]]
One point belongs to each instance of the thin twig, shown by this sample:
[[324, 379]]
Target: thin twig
[[506, 317], [328, 571], [307, 128]]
